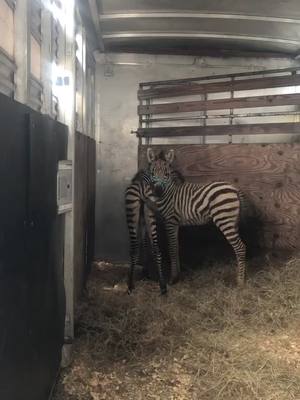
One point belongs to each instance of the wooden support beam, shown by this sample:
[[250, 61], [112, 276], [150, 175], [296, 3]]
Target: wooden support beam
[[220, 104], [219, 130], [189, 88]]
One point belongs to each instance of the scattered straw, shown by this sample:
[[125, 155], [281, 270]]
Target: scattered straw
[[206, 340]]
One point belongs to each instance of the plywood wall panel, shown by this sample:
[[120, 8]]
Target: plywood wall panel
[[269, 175]]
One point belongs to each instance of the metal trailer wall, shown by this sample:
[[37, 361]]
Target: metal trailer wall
[[117, 81], [84, 210], [47, 63]]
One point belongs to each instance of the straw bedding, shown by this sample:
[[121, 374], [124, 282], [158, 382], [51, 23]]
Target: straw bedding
[[205, 340]]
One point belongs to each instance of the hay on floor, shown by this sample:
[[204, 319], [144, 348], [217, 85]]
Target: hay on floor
[[205, 340]]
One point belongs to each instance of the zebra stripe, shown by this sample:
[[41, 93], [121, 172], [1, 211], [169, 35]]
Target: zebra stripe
[[138, 213], [195, 204]]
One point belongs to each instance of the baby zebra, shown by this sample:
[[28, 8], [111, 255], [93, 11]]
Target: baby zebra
[[194, 204], [138, 213]]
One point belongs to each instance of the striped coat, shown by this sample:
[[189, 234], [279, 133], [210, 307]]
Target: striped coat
[[138, 214], [186, 203]]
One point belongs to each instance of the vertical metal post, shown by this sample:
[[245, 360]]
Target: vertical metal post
[[231, 110], [22, 50], [69, 119], [46, 67], [148, 116], [140, 118], [205, 119], [84, 85]]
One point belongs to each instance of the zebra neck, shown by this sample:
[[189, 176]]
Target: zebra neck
[[167, 195]]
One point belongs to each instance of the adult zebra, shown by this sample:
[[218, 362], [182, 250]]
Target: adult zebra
[[195, 204], [137, 214]]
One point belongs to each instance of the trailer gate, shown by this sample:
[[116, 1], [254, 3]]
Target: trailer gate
[[245, 134]]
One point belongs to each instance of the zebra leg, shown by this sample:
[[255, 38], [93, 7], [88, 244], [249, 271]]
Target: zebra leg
[[134, 249], [151, 226], [143, 256], [172, 234], [240, 252], [133, 220], [230, 231]]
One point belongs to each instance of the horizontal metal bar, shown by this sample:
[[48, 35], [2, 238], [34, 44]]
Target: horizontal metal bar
[[191, 88], [223, 116], [35, 100], [36, 83], [36, 19], [35, 93], [6, 60], [196, 15], [37, 4], [11, 3], [4, 81], [198, 35], [37, 35], [221, 76], [33, 103], [6, 92], [220, 130]]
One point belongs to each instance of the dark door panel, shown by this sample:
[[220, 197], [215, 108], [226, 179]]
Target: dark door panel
[[32, 303]]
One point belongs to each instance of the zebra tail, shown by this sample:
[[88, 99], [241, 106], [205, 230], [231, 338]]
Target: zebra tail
[[247, 210]]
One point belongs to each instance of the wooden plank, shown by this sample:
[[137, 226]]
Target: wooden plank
[[220, 104], [269, 175], [237, 159], [217, 130], [188, 89]]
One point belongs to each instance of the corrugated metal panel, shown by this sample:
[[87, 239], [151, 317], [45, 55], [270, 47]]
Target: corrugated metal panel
[[35, 94], [200, 27], [7, 69]]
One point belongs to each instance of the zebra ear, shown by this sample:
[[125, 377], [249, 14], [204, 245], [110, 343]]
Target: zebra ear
[[170, 156], [150, 155]]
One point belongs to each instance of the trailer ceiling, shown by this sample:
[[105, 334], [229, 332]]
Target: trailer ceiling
[[202, 27]]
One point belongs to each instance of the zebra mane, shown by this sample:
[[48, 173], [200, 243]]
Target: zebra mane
[[161, 156], [177, 177], [139, 175]]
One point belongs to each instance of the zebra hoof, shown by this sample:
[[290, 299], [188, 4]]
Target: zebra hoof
[[129, 290], [174, 280], [164, 291]]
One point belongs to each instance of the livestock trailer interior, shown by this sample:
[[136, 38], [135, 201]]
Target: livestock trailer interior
[[88, 89]]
